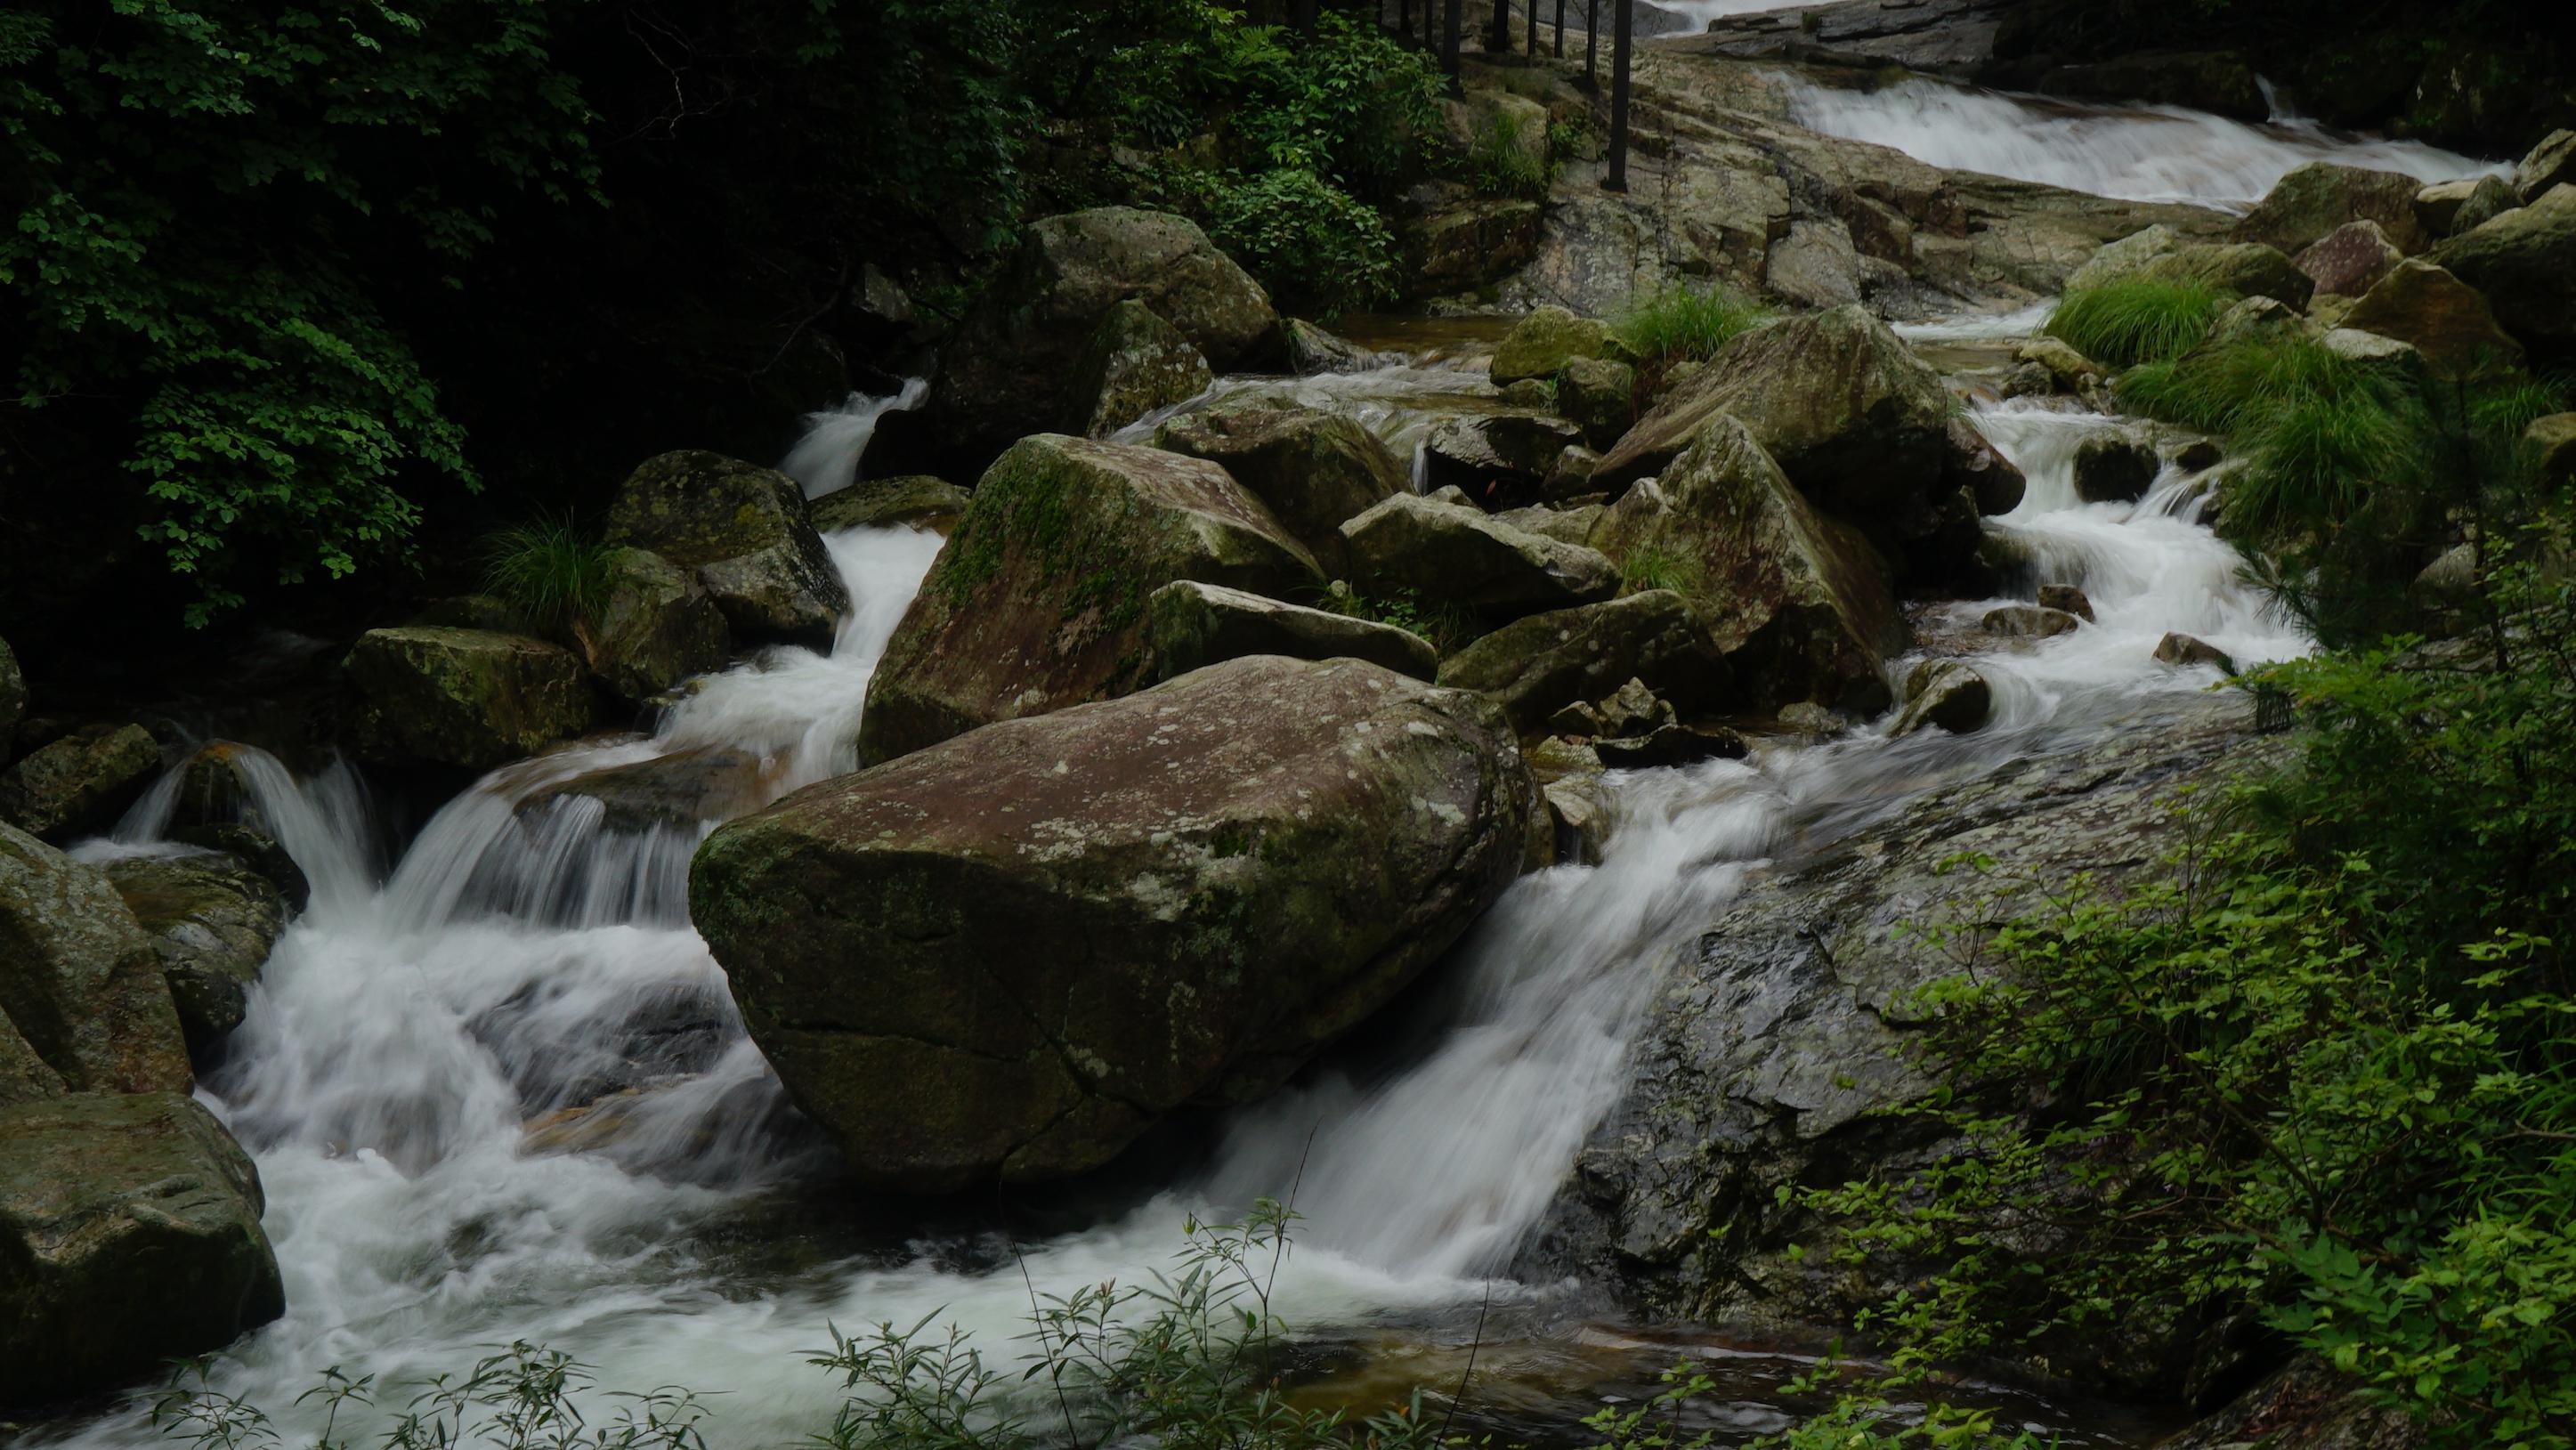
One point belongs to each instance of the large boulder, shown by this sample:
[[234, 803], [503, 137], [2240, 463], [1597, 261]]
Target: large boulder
[[1541, 344], [2315, 199], [1786, 1044], [2550, 165], [1038, 601], [1538, 665], [657, 628], [743, 529], [1799, 602], [1134, 364], [213, 920], [1315, 470], [129, 1237], [1013, 366], [1007, 955], [1193, 625], [1851, 415], [2125, 258], [2248, 269], [1462, 555], [2447, 208], [2438, 315], [2525, 263], [468, 697], [911, 501], [1497, 455], [2345, 261], [81, 782], [78, 977]]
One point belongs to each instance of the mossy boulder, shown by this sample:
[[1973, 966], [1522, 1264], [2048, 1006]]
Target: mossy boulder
[[1014, 366], [1840, 403], [1134, 364], [213, 920], [2346, 261], [2547, 166], [463, 697], [1537, 666], [914, 500], [1542, 343], [80, 782], [1038, 601], [2125, 258], [2248, 269], [1193, 625], [1458, 554], [1497, 456], [1469, 242], [1005, 956], [1315, 470], [1599, 396], [78, 977], [1800, 603], [2442, 318], [2447, 208], [129, 1237], [2524, 261], [742, 528], [1314, 349], [657, 628], [2314, 199]]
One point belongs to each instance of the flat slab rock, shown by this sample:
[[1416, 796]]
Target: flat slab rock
[[1003, 957]]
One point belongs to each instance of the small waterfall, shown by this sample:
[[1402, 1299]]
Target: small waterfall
[[324, 823], [2136, 153], [826, 459]]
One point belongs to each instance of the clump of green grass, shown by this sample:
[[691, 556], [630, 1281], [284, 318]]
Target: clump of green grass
[[1679, 324], [2127, 323], [550, 571], [1500, 166], [1651, 566], [2318, 430], [1446, 625]]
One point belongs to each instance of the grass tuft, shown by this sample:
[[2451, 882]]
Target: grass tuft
[[550, 571], [2128, 323], [1500, 167], [1679, 324], [1650, 566]]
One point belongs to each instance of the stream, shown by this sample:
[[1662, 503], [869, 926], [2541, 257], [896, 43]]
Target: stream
[[406, 1070]]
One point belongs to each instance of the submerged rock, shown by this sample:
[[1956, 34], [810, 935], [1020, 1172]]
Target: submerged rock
[[213, 920], [2066, 598], [1948, 693], [2183, 651], [1315, 470], [81, 782], [1799, 604], [657, 628], [1007, 955], [465, 697], [1462, 555], [79, 979], [2114, 468], [129, 1236], [2028, 621], [1313, 349], [1538, 665], [1194, 625], [743, 529], [1038, 601]]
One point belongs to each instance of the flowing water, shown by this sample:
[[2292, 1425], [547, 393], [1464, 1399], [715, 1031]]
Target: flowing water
[[2137, 153]]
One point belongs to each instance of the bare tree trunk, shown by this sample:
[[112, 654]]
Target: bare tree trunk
[[1617, 180], [1457, 21], [1560, 29], [1500, 42], [1592, 46]]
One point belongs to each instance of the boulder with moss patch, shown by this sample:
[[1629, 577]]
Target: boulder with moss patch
[[78, 977], [1538, 665], [1541, 344], [2315, 199], [914, 500], [1195, 625], [1459, 554], [464, 697], [2346, 261], [2524, 262], [1134, 364], [129, 1237], [213, 921], [1038, 601], [2444, 319], [743, 529], [1800, 603], [656, 628], [1007, 955], [81, 781], [2248, 269], [1316, 471]]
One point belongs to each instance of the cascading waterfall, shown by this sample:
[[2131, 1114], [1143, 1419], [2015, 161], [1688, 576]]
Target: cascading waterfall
[[826, 459], [2136, 153]]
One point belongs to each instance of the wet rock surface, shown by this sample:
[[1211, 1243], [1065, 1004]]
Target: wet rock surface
[[213, 920], [81, 781], [1192, 625], [1537, 665], [1005, 956], [743, 529], [463, 697], [79, 979]]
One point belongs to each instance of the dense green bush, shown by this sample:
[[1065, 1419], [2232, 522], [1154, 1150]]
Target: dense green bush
[[1314, 247]]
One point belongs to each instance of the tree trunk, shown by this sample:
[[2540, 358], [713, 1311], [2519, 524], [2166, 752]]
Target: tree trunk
[[1617, 180]]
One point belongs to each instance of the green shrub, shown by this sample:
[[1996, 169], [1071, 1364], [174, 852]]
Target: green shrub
[[1498, 165], [550, 572], [1314, 247], [2126, 323], [1446, 625], [1682, 323]]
